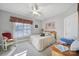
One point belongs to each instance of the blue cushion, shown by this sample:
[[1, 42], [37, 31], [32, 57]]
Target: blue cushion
[[66, 40]]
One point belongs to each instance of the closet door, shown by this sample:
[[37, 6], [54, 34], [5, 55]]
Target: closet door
[[71, 25]]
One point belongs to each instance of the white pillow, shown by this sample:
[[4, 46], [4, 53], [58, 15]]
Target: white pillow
[[75, 45], [47, 33]]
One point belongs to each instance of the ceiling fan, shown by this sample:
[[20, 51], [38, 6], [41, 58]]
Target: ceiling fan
[[35, 10]]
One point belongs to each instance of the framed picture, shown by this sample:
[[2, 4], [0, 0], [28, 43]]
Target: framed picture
[[50, 25], [36, 26]]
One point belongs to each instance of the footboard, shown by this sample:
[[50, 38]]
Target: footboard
[[40, 42]]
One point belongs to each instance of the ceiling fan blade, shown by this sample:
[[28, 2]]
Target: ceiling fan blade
[[35, 10], [35, 7]]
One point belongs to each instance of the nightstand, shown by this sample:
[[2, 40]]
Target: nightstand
[[57, 52]]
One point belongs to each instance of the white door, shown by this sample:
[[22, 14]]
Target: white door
[[71, 25]]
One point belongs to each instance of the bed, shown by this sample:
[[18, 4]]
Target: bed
[[41, 42]]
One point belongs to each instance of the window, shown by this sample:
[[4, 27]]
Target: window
[[22, 30]]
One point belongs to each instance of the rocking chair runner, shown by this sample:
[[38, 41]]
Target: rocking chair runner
[[7, 39]]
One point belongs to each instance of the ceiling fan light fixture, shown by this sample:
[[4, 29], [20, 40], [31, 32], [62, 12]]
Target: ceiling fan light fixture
[[36, 13], [35, 10]]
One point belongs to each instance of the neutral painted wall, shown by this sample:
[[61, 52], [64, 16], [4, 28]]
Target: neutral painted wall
[[59, 25], [36, 30], [6, 25]]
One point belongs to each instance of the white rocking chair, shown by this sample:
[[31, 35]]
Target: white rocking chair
[[7, 40]]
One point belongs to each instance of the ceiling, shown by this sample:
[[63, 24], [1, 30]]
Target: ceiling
[[46, 9]]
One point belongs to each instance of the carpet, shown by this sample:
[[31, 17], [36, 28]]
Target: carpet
[[31, 51], [8, 52]]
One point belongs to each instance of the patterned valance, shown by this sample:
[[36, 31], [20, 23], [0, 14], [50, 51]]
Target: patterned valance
[[20, 20]]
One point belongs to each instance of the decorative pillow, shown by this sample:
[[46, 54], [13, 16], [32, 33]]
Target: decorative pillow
[[47, 33], [61, 42], [10, 40], [7, 34], [67, 41]]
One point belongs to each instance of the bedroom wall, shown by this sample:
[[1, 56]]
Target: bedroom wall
[[36, 30], [5, 25], [59, 25]]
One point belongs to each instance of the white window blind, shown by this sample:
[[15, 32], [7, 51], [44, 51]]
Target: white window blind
[[22, 30]]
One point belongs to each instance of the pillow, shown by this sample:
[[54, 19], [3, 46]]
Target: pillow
[[61, 42], [67, 40], [47, 33], [75, 46], [7, 34], [10, 40]]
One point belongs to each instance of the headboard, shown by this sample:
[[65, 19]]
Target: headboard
[[54, 33]]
